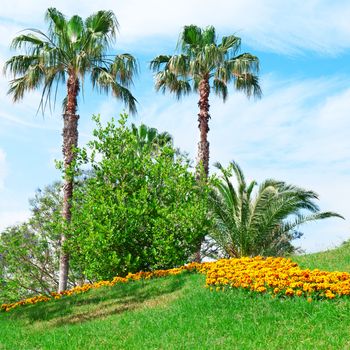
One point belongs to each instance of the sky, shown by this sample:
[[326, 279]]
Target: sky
[[297, 132]]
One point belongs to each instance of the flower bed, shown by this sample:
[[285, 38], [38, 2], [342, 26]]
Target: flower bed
[[276, 276], [86, 287]]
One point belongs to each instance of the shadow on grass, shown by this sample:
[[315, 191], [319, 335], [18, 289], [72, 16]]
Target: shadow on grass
[[103, 302]]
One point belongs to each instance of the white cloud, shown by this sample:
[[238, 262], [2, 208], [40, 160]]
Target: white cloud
[[3, 168], [24, 114], [12, 217], [7, 32], [272, 25]]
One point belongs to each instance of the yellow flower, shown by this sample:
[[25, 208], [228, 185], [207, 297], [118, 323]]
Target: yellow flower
[[289, 292]]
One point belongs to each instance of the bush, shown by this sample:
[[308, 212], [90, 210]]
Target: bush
[[142, 208]]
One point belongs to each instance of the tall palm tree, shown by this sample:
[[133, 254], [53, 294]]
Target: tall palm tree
[[70, 50], [249, 223], [202, 65]]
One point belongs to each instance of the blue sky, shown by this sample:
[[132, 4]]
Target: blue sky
[[298, 132]]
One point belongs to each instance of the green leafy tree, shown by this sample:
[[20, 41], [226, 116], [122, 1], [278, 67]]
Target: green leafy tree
[[141, 210], [70, 50], [204, 64], [29, 253], [262, 222]]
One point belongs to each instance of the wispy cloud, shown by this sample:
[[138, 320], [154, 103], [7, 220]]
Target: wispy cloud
[[24, 114], [7, 32], [13, 120], [9, 218], [3, 169], [296, 121], [272, 25]]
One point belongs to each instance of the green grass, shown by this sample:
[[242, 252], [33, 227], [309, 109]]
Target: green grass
[[178, 312], [332, 260]]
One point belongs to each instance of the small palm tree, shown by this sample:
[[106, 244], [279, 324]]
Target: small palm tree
[[202, 65], [264, 223], [71, 49], [150, 137]]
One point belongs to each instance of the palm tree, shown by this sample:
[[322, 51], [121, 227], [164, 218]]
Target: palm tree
[[262, 224], [150, 137], [202, 65], [70, 50]]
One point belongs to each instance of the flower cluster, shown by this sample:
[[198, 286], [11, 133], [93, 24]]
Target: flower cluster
[[277, 276], [29, 301], [86, 287]]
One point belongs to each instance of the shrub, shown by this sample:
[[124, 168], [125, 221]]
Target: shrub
[[141, 210]]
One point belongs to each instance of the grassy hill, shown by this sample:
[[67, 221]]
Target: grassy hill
[[178, 312], [331, 260]]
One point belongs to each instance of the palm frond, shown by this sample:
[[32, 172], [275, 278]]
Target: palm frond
[[249, 84], [158, 62], [26, 41], [104, 80], [239, 174], [151, 138], [75, 29], [208, 36], [227, 190], [102, 27], [190, 38], [220, 88], [166, 80], [178, 64], [244, 64], [29, 81], [124, 68], [202, 57], [230, 42], [18, 65], [265, 224], [71, 47], [56, 19]]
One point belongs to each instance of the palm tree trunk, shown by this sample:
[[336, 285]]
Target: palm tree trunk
[[70, 141], [203, 121], [202, 171]]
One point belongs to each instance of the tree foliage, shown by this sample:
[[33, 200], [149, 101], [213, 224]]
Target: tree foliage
[[202, 57], [71, 47], [140, 210], [262, 222], [29, 252]]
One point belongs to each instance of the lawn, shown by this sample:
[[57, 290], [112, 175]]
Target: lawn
[[330, 260], [178, 312]]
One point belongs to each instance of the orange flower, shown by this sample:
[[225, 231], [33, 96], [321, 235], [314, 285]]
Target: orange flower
[[272, 275]]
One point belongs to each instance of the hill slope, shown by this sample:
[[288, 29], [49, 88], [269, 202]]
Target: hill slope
[[178, 312], [331, 260]]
